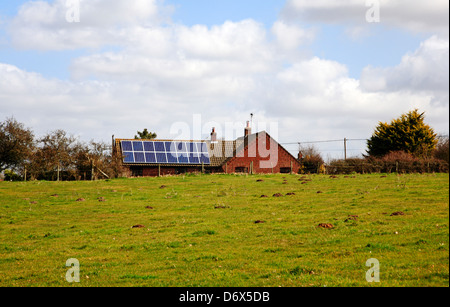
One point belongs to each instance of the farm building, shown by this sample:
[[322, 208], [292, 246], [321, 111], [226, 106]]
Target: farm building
[[256, 153]]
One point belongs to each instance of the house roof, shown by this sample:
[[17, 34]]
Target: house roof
[[219, 152]]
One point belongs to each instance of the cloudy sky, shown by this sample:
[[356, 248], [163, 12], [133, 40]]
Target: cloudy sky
[[308, 70]]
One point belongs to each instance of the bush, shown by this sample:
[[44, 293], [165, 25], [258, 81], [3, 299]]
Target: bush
[[12, 176], [311, 161], [441, 152], [399, 162]]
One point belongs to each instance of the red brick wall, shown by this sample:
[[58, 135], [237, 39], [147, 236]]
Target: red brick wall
[[267, 157]]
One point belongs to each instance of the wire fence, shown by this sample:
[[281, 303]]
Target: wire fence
[[331, 149], [346, 156]]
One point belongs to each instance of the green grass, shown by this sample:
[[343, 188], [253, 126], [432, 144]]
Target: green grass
[[201, 231]]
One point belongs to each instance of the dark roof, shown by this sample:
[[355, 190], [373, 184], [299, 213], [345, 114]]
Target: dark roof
[[221, 151]]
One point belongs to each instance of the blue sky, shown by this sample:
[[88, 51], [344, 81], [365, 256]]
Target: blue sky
[[191, 12], [316, 68]]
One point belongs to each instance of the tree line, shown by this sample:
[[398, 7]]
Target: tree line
[[54, 156]]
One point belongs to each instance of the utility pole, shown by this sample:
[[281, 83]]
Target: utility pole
[[345, 148]]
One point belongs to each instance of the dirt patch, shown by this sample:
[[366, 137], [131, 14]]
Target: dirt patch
[[326, 226], [80, 199], [221, 207], [54, 195], [397, 213], [351, 218], [138, 226]]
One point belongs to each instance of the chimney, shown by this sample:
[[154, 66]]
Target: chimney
[[213, 136], [248, 129]]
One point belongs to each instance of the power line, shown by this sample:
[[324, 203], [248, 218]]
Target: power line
[[327, 141]]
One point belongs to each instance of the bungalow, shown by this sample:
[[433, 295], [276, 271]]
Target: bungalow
[[256, 153]]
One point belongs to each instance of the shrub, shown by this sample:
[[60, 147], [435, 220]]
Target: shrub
[[398, 161]]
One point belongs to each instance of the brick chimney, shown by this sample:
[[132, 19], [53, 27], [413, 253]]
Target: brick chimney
[[213, 136], [248, 129]]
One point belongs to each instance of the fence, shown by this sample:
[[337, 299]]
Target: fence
[[364, 166], [338, 162], [333, 149]]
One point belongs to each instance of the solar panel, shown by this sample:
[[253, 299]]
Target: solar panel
[[149, 147], [159, 147], [128, 157], [161, 157], [139, 157], [165, 152], [172, 157], [137, 146], [126, 146], [150, 157], [194, 158]]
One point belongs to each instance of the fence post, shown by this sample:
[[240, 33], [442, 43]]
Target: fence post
[[345, 149]]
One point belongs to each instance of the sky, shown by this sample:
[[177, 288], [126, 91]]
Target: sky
[[307, 70]]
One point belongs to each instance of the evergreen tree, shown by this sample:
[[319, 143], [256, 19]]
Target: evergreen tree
[[408, 133], [145, 135]]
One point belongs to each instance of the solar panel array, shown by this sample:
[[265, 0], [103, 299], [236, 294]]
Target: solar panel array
[[160, 152]]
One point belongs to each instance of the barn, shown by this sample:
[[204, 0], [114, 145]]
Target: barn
[[256, 153]]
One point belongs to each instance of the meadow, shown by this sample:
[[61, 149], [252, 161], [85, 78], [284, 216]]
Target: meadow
[[227, 231]]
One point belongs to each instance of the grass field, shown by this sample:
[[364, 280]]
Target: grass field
[[200, 230]]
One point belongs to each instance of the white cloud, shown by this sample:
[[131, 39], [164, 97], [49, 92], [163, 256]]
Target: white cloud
[[425, 70], [40, 25], [413, 15], [291, 36]]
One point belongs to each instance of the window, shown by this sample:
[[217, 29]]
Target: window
[[285, 170], [241, 169]]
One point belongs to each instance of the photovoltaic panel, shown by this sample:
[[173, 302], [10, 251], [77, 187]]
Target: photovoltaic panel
[[150, 157], [169, 146], [159, 147], [137, 146], [139, 157], [126, 146], [194, 158], [128, 157], [183, 159], [165, 152], [149, 147], [172, 157], [161, 157], [205, 159]]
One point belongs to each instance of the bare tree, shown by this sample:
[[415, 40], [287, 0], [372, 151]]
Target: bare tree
[[16, 144], [441, 151], [55, 152], [310, 159]]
